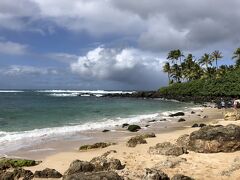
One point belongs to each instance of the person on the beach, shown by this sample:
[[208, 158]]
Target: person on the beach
[[222, 103]]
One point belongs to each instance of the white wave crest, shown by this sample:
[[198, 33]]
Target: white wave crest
[[85, 91], [10, 91]]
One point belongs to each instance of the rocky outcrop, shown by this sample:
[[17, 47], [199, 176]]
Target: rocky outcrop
[[103, 163], [181, 177], [105, 175], [183, 141], [47, 173], [181, 120], [177, 114], [134, 128], [132, 142], [232, 116], [125, 125], [14, 163], [168, 149], [170, 162], [213, 139], [17, 173], [154, 174], [80, 166], [95, 146]]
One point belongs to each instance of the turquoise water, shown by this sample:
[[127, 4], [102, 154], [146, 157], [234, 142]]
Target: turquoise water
[[33, 114]]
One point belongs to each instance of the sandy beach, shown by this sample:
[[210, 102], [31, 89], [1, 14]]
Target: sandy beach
[[137, 159]]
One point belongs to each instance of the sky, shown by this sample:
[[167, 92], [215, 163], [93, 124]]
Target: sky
[[108, 44]]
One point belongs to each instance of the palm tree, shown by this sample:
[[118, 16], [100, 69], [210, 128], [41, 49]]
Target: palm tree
[[236, 56], [206, 60], [176, 73], [171, 56], [175, 55], [216, 55], [179, 55], [167, 69]]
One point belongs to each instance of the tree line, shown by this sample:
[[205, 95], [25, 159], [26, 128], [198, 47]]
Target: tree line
[[181, 68]]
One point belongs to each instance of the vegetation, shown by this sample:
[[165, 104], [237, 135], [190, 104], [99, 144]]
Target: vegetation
[[203, 76], [18, 162]]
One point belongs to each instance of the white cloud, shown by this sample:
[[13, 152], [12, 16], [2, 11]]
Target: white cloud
[[12, 48], [124, 65], [16, 70]]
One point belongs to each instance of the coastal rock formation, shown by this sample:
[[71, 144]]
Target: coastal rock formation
[[177, 114], [168, 149], [132, 142], [79, 166], [232, 116], [14, 163], [125, 125], [134, 128], [213, 139], [181, 177], [95, 146], [195, 125], [105, 175], [183, 141], [103, 163], [17, 173], [47, 173], [153, 174]]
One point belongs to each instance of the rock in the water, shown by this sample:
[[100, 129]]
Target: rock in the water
[[103, 163], [181, 177], [47, 173], [95, 146], [134, 128], [232, 116], [105, 130], [195, 125], [213, 139], [125, 125], [105, 175], [147, 125], [132, 142], [177, 114], [192, 112], [183, 141], [168, 149], [78, 166], [181, 120], [153, 120], [153, 174]]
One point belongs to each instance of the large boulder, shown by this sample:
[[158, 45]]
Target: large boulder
[[103, 163], [213, 139], [17, 173], [78, 166], [134, 128], [154, 174], [183, 141], [47, 173], [168, 149], [104, 175], [15, 163], [232, 116], [181, 177]]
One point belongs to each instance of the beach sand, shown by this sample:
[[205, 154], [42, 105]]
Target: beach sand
[[196, 165]]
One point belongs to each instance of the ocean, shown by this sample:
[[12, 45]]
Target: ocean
[[29, 115]]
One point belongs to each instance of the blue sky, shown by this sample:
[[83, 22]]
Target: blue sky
[[108, 44]]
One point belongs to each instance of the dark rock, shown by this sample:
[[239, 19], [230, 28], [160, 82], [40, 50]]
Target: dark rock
[[134, 128], [22, 173], [213, 139], [148, 135], [125, 125], [132, 142], [181, 120], [151, 121], [204, 117], [5, 175], [147, 125], [181, 177], [107, 175], [177, 114], [163, 120], [202, 125], [105, 130], [192, 112], [153, 174], [168, 149], [47, 173], [183, 141], [96, 145], [103, 163], [195, 125], [80, 166]]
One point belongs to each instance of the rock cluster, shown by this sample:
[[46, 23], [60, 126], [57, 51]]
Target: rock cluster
[[140, 139], [95, 146], [232, 116]]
